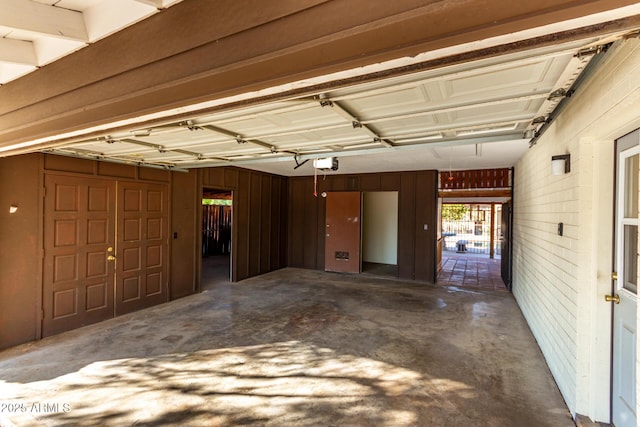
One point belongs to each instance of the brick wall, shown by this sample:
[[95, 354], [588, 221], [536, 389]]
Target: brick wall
[[560, 282]]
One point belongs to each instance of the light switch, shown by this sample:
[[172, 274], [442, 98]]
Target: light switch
[[426, 227]]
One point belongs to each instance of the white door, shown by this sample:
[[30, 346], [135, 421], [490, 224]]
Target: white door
[[626, 282]]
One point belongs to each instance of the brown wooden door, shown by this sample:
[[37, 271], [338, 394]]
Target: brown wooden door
[[81, 285], [343, 227], [141, 265], [79, 231]]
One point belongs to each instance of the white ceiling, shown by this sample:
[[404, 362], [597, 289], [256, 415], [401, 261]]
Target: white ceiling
[[34, 33], [468, 116]]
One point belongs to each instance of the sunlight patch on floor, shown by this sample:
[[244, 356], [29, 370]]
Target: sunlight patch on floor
[[279, 380]]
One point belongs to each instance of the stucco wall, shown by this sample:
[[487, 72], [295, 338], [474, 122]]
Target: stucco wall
[[560, 282]]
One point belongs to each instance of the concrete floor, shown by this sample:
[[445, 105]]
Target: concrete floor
[[293, 348]]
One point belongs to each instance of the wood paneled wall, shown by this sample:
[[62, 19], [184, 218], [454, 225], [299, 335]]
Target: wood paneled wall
[[20, 253], [260, 200], [417, 207], [21, 184], [185, 249]]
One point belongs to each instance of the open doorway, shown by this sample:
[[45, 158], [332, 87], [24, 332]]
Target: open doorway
[[472, 245], [472, 229], [217, 206], [380, 233]]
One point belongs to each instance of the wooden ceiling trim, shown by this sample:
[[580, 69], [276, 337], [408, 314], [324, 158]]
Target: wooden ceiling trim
[[108, 81]]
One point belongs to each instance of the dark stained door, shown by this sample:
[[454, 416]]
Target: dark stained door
[[342, 232], [79, 236], [505, 244], [141, 265]]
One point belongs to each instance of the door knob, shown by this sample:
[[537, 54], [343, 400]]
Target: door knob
[[614, 298], [111, 258]]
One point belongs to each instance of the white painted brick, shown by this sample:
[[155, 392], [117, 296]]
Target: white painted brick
[[555, 278]]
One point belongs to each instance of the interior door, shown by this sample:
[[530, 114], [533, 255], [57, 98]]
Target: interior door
[[505, 245], [79, 237], [343, 227], [141, 273], [625, 284]]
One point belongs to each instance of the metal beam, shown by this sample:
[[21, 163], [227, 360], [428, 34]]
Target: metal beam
[[357, 123], [100, 157], [361, 152], [241, 139]]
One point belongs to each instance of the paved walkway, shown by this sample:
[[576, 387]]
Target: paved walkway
[[470, 271], [293, 348]]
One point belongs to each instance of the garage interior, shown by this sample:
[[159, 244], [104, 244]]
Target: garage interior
[[105, 166]]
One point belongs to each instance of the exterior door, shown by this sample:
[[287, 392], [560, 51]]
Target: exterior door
[[625, 283], [141, 274], [79, 237], [342, 231]]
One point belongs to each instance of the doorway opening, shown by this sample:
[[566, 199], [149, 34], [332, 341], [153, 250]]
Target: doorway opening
[[217, 207], [380, 233], [472, 245], [472, 229]]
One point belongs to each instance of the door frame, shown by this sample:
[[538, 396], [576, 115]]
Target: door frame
[[363, 215], [232, 257], [234, 233]]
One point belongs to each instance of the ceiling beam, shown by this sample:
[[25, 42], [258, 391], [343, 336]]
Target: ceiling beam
[[17, 52], [40, 18], [226, 59], [159, 4]]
